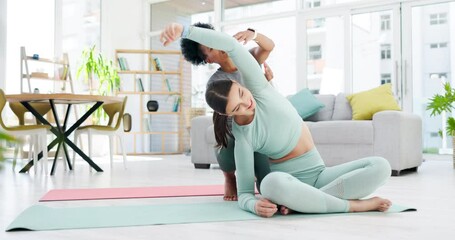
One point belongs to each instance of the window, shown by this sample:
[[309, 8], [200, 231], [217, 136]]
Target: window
[[438, 18], [385, 22], [325, 73], [438, 76], [434, 134], [314, 52], [284, 73], [80, 28], [438, 45], [371, 48], [316, 23], [385, 51], [34, 29], [235, 9], [386, 78], [313, 3]]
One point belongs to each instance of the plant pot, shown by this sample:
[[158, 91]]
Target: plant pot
[[152, 105]]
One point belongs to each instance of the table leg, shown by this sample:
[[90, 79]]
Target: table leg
[[83, 155], [62, 135], [55, 158], [74, 127], [62, 130]]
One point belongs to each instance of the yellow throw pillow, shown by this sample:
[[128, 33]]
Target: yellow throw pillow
[[365, 104]]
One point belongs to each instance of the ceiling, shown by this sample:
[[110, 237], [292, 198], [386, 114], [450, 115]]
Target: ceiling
[[199, 6]]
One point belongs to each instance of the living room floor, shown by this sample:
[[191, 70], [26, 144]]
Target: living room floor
[[431, 190]]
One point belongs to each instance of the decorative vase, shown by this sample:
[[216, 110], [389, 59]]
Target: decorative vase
[[127, 122], [152, 105]]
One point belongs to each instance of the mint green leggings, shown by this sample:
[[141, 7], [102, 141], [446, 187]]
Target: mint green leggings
[[304, 184]]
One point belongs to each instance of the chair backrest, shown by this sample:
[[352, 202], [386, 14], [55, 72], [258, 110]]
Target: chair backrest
[[2, 105], [20, 110], [112, 109]]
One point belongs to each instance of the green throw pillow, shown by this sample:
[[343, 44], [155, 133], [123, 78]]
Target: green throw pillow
[[365, 104], [305, 103]]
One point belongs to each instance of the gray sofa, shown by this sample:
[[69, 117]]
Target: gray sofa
[[394, 135]]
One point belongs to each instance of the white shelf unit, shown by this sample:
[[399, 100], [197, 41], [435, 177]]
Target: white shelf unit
[[64, 77]]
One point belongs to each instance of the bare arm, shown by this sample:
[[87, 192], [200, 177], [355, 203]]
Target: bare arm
[[265, 44], [261, 52]]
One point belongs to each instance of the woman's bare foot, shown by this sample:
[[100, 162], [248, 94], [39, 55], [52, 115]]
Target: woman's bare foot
[[230, 187], [371, 204], [285, 210]]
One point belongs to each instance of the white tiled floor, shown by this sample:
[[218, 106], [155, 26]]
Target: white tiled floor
[[431, 190]]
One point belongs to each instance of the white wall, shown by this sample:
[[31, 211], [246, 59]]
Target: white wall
[[122, 25], [2, 43]]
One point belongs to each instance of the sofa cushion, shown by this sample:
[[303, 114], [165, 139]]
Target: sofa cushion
[[346, 132], [342, 109], [365, 104], [325, 114], [305, 103]]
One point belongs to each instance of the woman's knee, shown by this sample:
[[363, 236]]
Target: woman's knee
[[381, 167], [275, 184]]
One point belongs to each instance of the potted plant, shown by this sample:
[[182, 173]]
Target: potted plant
[[440, 103], [4, 138], [92, 66]]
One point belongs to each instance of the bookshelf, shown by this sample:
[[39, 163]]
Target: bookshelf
[[56, 71], [148, 75], [45, 75]]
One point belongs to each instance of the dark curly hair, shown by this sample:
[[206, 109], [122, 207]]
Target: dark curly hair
[[190, 48]]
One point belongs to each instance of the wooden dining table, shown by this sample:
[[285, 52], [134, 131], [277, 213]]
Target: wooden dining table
[[61, 130]]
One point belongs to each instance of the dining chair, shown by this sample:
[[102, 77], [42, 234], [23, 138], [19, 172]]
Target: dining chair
[[115, 112], [37, 132], [19, 110]]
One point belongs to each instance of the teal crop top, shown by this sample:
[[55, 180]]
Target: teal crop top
[[276, 127]]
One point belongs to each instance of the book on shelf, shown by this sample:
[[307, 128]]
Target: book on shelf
[[63, 72], [123, 64], [177, 100], [140, 86], [157, 64], [168, 84], [153, 64], [120, 65]]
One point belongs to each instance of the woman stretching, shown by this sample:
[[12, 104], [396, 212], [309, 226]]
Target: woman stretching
[[266, 122]]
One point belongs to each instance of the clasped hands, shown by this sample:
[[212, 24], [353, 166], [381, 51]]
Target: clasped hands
[[265, 208], [174, 31]]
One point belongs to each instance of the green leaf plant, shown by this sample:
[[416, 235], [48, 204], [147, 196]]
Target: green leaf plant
[[95, 66], [440, 103], [4, 138]]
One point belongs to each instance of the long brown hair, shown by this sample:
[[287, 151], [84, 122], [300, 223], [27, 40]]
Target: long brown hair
[[216, 97]]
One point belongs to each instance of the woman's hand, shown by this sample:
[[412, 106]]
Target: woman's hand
[[244, 36], [268, 72], [171, 33], [265, 208]]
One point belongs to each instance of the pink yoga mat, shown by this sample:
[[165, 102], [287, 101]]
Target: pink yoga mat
[[135, 192]]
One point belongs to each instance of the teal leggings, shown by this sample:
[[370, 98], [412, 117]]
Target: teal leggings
[[304, 184], [226, 160]]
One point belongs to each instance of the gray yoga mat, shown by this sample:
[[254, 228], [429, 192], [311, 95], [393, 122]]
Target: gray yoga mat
[[40, 217]]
